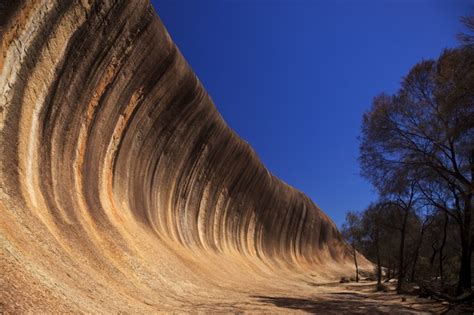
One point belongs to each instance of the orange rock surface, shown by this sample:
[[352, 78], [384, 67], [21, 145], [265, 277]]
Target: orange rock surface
[[121, 186]]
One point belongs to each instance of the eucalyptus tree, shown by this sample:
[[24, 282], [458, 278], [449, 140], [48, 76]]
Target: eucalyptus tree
[[423, 133]]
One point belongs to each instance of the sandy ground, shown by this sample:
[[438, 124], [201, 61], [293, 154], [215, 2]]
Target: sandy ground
[[350, 298]]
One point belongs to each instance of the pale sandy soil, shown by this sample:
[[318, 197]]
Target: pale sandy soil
[[349, 298]]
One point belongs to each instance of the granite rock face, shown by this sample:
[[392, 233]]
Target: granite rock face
[[121, 186]]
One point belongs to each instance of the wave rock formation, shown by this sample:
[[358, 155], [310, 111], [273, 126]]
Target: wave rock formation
[[122, 188]]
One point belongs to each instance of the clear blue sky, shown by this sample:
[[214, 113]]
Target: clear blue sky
[[293, 77]]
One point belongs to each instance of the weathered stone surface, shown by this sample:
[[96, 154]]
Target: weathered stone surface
[[122, 188]]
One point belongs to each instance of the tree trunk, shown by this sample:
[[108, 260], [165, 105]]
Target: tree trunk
[[379, 267], [466, 236], [433, 255], [355, 263], [441, 248], [388, 274], [417, 253], [465, 270], [401, 271], [466, 249]]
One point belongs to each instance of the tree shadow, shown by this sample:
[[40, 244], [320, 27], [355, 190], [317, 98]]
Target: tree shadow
[[327, 284], [338, 284], [359, 305], [350, 295]]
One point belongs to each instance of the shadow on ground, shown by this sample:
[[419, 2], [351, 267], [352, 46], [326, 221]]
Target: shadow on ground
[[342, 304]]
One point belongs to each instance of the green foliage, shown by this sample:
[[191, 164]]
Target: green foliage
[[352, 230]]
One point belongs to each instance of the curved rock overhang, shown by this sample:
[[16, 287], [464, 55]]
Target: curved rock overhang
[[121, 186]]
